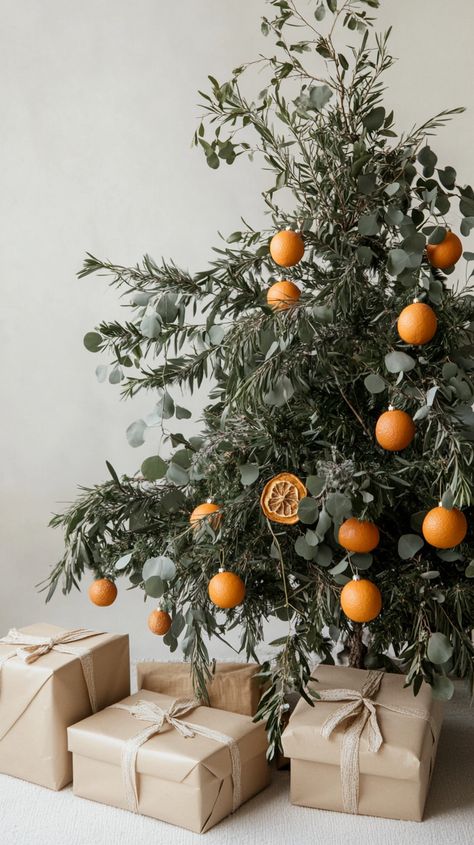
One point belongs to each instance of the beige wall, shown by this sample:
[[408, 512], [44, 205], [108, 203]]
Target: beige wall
[[97, 112]]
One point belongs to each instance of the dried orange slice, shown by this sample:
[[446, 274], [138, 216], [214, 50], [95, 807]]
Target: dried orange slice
[[281, 496]]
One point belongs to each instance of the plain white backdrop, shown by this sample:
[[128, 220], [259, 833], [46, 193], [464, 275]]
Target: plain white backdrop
[[98, 107]]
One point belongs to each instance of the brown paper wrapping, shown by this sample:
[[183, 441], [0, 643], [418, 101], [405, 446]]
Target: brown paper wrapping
[[38, 702], [183, 781], [393, 782], [233, 686]]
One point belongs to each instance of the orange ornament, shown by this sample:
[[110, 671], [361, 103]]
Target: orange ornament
[[226, 589], [361, 600], [417, 324], [283, 295], [102, 592], [444, 528], [446, 253], [357, 535], [204, 510], [394, 430], [287, 248], [281, 496], [159, 622]]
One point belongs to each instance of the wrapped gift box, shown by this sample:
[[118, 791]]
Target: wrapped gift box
[[190, 774], [233, 686], [50, 679], [340, 762]]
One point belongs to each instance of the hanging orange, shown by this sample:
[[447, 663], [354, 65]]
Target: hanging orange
[[417, 324], [287, 248], [444, 528], [159, 622], [281, 496], [283, 295], [446, 253], [361, 600], [204, 510], [102, 592], [394, 430], [357, 535], [226, 589]]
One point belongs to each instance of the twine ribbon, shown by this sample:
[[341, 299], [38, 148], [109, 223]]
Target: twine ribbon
[[359, 711], [148, 711], [31, 647]]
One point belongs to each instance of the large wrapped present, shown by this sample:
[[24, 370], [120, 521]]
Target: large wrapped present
[[51, 678], [171, 759], [233, 686], [367, 746]]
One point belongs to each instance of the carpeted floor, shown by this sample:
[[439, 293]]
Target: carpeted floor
[[30, 815]]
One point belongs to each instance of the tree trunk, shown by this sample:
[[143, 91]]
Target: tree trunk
[[357, 649]]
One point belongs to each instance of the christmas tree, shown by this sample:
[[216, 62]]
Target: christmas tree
[[333, 476]]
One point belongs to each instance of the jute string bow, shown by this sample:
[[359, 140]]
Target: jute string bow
[[359, 711], [30, 648], [148, 711]]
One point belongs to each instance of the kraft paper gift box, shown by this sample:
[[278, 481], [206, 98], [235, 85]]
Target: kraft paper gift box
[[368, 746], [233, 686], [174, 760], [49, 679]]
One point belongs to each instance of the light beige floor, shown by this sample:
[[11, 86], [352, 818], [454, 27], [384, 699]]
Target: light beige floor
[[30, 815]]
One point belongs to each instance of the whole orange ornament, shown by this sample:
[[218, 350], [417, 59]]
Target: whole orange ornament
[[446, 253], [287, 248], [205, 509], [226, 589], [361, 600], [417, 324], [159, 622], [281, 496], [102, 592], [357, 535], [283, 295], [444, 528], [394, 430]]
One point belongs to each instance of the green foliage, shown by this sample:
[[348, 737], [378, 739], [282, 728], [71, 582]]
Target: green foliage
[[299, 390]]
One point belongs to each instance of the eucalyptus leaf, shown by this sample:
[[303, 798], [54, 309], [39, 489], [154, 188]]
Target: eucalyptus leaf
[[368, 225], [374, 383], [442, 688], [123, 561], [399, 362], [374, 119], [150, 326], [135, 433], [92, 341], [162, 566], [303, 549], [315, 485], [177, 475], [154, 587], [154, 468], [319, 96], [248, 473], [308, 510], [439, 648], [409, 545]]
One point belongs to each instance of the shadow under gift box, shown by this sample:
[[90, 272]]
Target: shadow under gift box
[[394, 781], [185, 781], [39, 700], [232, 686]]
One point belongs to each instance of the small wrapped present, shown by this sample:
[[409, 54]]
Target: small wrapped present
[[233, 686], [49, 679], [171, 759], [367, 746]]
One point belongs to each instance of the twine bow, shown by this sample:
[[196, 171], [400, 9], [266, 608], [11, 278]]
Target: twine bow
[[359, 711], [149, 711], [31, 647]]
